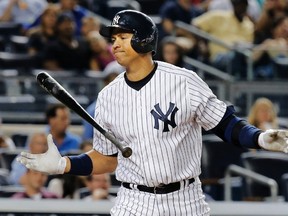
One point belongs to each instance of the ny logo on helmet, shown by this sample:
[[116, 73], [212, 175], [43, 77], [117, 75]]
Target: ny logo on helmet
[[115, 20], [159, 115]]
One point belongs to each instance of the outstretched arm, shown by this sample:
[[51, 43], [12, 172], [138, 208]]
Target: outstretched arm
[[52, 162], [239, 132]]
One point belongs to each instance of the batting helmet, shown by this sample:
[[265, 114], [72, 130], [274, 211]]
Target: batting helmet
[[145, 33]]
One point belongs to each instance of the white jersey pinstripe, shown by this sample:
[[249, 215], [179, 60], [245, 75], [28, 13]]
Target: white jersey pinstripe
[[158, 157]]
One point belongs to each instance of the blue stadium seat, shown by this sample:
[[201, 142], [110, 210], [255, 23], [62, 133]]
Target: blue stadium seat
[[271, 164], [217, 155]]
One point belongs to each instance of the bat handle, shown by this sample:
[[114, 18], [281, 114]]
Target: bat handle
[[126, 151]]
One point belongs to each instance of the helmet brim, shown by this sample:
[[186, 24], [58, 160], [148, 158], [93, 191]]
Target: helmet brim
[[107, 31]]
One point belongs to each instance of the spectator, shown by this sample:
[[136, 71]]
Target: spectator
[[180, 10], [66, 186], [101, 51], [201, 4], [37, 143], [76, 10], [170, 51], [254, 8], [263, 114], [40, 36], [272, 9], [58, 119], [98, 186], [232, 27], [111, 71], [273, 48], [24, 12], [34, 187], [89, 24], [67, 52]]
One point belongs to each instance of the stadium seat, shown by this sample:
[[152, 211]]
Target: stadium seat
[[7, 156], [280, 68], [84, 192], [284, 185], [8, 190], [4, 173], [270, 164], [217, 155], [19, 139], [19, 44], [10, 28], [22, 62], [6, 30]]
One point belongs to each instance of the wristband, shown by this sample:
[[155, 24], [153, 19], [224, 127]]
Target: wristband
[[81, 165]]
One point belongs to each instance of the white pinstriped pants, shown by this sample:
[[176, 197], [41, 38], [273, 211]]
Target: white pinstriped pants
[[188, 201]]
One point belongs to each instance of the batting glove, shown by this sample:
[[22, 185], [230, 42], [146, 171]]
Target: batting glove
[[274, 140], [50, 162]]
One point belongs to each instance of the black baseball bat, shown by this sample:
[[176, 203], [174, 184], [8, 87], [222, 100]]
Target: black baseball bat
[[54, 88]]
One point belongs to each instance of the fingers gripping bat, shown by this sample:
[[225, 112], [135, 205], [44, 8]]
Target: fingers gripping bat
[[55, 89]]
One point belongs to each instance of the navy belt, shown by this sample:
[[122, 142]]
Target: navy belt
[[160, 189]]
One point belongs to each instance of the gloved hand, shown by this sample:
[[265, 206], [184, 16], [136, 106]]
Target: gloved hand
[[274, 140], [50, 162]]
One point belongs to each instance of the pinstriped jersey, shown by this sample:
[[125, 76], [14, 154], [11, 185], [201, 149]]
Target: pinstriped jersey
[[161, 122]]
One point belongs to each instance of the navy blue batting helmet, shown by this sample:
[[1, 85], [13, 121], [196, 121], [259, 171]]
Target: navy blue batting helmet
[[145, 33]]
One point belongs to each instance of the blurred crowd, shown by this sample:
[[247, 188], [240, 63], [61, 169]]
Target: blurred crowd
[[63, 35]]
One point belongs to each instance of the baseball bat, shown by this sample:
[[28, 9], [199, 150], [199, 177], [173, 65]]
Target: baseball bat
[[54, 88]]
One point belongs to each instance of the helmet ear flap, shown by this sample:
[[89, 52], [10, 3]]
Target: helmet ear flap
[[145, 45]]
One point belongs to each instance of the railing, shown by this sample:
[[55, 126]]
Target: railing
[[210, 70], [271, 183]]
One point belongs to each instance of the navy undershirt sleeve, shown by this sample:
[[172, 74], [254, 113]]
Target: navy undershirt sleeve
[[233, 129]]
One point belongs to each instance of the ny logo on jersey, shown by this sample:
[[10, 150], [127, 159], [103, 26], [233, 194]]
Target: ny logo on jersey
[[159, 115]]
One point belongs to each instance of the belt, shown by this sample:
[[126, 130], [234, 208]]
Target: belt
[[160, 189]]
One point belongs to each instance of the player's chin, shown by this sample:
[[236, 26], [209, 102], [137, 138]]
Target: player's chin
[[120, 60]]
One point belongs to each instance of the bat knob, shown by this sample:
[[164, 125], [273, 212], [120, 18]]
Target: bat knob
[[127, 152]]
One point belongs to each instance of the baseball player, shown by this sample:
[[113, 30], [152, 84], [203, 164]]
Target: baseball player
[[158, 110]]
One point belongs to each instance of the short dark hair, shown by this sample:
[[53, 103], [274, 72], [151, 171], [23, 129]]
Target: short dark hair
[[65, 16], [52, 109]]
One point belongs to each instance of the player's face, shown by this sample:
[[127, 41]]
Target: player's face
[[122, 49]]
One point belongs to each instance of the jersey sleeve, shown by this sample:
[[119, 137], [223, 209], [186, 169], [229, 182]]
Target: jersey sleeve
[[207, 108], [100, 143]]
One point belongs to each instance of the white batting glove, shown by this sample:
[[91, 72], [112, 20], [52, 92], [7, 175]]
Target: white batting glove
[[274, 140], [50, 162]]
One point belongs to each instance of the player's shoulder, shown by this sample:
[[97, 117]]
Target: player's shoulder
[[164, 67], [113, 83]]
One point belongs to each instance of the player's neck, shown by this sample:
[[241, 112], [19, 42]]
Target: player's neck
[[139, 71]]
